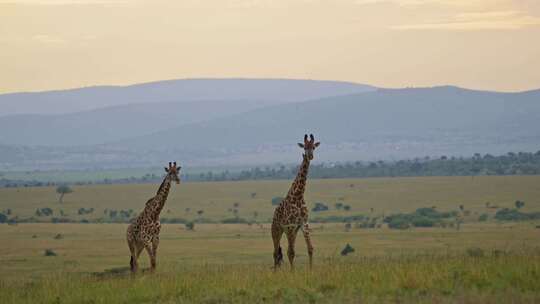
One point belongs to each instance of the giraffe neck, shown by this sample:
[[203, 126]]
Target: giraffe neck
[[161, 197], [299, 185]]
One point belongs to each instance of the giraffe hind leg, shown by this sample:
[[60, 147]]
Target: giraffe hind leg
[[135, 252], [277, 232]]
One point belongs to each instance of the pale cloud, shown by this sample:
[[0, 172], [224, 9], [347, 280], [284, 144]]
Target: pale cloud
[[494, 20], [47, 39], [465, 3], [67, 2]]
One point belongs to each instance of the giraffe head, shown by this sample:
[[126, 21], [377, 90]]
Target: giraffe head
[[309, 146], [174, 172]]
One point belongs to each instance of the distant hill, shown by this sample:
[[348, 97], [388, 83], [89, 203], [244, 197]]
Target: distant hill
[[384, 123], [381, 124], [182, 90], [115, 123]]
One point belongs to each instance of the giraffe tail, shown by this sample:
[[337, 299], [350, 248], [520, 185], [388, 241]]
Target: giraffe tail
[[131, 263]]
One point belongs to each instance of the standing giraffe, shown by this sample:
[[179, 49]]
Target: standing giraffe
[[144, 231], [292, 214]]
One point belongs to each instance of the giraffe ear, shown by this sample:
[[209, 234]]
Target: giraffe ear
[[317, 144], [301, 145], [166, 169], [178, 169]]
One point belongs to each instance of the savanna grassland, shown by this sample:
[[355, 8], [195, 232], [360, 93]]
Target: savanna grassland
[[482, 262]]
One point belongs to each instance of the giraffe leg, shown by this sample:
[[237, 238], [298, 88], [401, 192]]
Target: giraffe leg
[[155, 244], [305, 230], [135, 252], [277, 232], [291, 237], [152, 256]]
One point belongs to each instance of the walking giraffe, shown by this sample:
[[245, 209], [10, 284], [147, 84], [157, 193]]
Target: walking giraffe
[[292, 213], [144, 231]]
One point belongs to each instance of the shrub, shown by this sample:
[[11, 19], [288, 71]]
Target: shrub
[[484, 217], [348, 249], [190, 226], [347, 208], [421, 221], [173, 221], [515, 215], [44, 212], [400, 221], [319, 207], [49, 252], [56, 220], [234, 220], [277, 200], [83, 211], [3, 218], [58, 236], [339, 219]]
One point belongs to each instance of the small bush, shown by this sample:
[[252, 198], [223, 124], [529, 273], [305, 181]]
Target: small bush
[[420, 221], [49, 252], [319, 207], [234, 220], [484, 217], [3, 218], [190, 226], [173, 221], [515, 215], [59, 236], [348, 249]]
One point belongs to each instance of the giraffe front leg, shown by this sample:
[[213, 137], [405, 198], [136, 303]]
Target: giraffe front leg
[[291, 237], [277, 232], [151, 255], [307, 237]]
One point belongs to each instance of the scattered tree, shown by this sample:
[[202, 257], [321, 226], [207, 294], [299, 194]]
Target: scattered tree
[[63, 190], [519, 204]]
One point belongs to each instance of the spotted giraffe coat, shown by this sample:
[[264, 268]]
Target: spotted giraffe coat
[[146, 227]]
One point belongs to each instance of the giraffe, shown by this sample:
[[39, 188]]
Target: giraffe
[[292, 214], [143, 233]]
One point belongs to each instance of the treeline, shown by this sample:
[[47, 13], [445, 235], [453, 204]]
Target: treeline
[[521, 163]]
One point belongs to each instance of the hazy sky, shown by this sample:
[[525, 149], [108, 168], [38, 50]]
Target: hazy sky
[[484, 44]]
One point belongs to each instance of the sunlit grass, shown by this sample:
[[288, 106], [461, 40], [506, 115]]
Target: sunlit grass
[[493, 278]]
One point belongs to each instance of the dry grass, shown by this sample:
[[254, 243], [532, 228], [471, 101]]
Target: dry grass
[[384, 195], [219, 263]]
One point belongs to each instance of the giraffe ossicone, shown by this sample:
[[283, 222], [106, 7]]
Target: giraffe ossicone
[[143, 233], [291, 214]]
